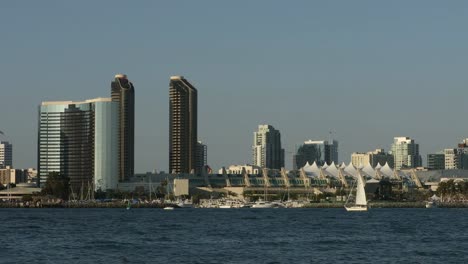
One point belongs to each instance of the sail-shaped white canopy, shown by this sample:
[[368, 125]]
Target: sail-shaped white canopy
[[369, 171], [350, 170], [343, 165], [306, 166], [378, 166], [312, 170], [386, 171], [332, 171], [325, 165]]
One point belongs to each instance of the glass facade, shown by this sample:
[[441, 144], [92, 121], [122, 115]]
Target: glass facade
[[6, 154], [78, 140], [309, 153], [321, 152], [436, 161], [106, 145]]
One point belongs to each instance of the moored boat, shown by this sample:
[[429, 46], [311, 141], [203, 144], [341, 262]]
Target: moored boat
[[262, 204]]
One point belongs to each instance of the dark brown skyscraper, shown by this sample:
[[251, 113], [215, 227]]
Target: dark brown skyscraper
[[182, 125], [124, 93]]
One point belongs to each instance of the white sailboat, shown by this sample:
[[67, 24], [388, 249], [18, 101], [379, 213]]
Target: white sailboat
[[263, 203], [360, 203]]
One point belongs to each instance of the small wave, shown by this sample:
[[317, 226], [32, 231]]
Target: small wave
[[249, 218], [32, 227]]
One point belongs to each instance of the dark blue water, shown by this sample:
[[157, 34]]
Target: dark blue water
[[233, 236]]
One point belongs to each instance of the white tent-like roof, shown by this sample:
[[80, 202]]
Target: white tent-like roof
[[378, 166], [350, 170], [369, 171], [386, 171], [343, 165], [332, 171], [306, 166], [312, 170]]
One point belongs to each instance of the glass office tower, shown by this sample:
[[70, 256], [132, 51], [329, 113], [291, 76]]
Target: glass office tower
[[6, 154]]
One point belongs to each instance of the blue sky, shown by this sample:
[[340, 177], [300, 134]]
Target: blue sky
[[369, 70]]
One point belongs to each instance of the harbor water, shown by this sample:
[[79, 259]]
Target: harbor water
[[233, 236]]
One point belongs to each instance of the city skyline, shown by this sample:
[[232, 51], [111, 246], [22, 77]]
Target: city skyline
[[227, 163], [305, 69]]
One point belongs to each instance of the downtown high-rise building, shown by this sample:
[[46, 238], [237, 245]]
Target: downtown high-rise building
[[321, 152], [452, 159], [266, 148], [405, 153], [372, 158], [6, 154], [436, 161], [182, 126], [79, 140], [201, 157], [123, 92]]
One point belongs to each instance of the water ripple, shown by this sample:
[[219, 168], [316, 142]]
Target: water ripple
[[233, 236]]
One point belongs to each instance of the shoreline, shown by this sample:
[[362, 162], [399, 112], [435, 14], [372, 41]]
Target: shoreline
[[161, 206]]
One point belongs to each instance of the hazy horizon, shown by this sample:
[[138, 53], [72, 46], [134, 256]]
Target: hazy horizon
[[368, 70]]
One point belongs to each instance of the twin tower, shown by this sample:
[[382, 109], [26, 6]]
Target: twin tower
[[92, 142]]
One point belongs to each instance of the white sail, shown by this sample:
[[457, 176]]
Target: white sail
[[360, 203], [360, 192]]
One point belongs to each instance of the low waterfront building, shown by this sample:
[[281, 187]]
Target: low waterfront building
[[273, 180], [17, 193], [239, 169]]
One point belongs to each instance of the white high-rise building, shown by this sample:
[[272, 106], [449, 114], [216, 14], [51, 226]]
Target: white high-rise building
[[405, 153], [379, 156], [452, 159], [267, 151], [6, 154]]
